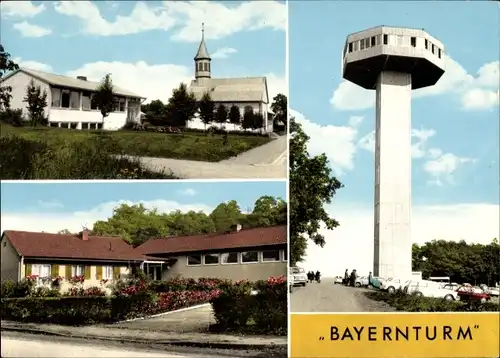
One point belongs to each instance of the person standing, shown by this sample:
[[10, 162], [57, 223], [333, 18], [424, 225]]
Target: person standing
[[346, 277], [353, 278], [370, 279]]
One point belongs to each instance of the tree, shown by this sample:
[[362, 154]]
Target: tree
[[258, 121], [104, 97], [154, 108], [226, 215], [280, 108], [267, 211], [64, 232], [248, 116], [37, 101], [235, 115], [221, 115], [207, 109], [6, 65], [182, 105], [311, 186]]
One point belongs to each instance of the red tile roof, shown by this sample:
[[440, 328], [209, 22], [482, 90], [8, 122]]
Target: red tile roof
[[40, 244], [276, 235]]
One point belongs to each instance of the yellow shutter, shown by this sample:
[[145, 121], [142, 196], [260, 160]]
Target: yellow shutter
[[116, 272], [27, 268], [54, 270], [98, 272], [87, 272], [67, 270]]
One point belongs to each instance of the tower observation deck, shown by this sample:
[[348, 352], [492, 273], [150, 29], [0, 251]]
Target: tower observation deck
[[393, 61]]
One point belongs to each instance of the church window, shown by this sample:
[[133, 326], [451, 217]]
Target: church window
[[362, 44], [205, 66], [350, 46], [413, 41], [386, 39], [373, 40], [208, 66]]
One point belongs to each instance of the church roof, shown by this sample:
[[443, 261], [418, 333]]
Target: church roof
[[243, 89], [202, 53]]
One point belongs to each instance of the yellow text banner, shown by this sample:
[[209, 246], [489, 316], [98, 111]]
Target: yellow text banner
[[422, 335]]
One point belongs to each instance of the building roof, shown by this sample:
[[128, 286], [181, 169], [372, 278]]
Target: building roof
[[244, 89], [70, 82], [202, 53], [70, 246], [246, 238]]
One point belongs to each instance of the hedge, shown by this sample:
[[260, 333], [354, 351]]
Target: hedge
[[237, 309], [413, 303]]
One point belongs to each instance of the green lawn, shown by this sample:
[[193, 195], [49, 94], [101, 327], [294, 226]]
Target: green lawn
[[191, 146]]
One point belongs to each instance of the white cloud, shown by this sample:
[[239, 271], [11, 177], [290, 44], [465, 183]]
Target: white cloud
[[221, 19], [276, 84], [337, 142], [34, 65], [188, 192], [350, 246], [475, 92], [20, 9], [74, 221], [29, 30], [223, 52], [443, 166]]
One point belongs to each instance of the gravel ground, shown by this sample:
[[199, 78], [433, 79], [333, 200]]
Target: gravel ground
[[329, 297]]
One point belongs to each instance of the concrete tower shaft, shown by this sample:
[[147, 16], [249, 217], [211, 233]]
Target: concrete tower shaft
[[392, 61]]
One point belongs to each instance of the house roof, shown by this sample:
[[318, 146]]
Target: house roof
[[246, 238], [244, 89], [62, 246], [70, 82]]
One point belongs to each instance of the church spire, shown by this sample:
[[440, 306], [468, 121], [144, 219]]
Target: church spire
[[202, 59]]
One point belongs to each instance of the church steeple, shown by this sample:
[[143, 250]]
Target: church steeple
[[202, 59]]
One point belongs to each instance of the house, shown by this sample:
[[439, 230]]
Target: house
[[243, 92], [59, 255], [70, 103], [251, 254]]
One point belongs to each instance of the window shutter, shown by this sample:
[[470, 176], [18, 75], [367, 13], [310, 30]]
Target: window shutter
[[54, 270], [98, 272], [27, 268], [87, 272], [116, 272], [67, 273]]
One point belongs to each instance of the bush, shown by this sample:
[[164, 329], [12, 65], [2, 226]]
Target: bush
[[237, 309], [60, 310], [413, 303], [14, 117], [12, 289], [32, 159], [190, 284]]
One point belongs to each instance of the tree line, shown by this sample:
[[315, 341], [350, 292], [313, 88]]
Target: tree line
[[136, 224], [462, 262], [182, 107]]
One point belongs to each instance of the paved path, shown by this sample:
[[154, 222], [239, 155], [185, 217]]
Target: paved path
[[268, 161], [15, 345], [329, 297]]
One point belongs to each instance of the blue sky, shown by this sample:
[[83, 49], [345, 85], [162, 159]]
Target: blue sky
[[148, 47], [456, 123], [67, 197]]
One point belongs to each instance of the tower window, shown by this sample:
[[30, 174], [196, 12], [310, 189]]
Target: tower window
[[426, 44], [413, 42], [386, 39], [362, 44], [205, 67], [350, 46], [367, 43], [439, 52], [433, 48], [373, 40]]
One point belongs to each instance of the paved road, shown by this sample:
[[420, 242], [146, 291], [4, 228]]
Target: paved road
[[327, 297], [21, 345], [268, 161]]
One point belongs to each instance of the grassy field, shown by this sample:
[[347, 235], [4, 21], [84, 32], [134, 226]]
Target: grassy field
[[190, 146]]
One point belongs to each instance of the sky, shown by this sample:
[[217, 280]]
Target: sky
[[148, 47], [51, 207], [455, 124]]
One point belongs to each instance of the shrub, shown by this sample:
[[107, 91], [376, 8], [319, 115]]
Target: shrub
[[60, 310], [45, 292], [12, 289], [190, 284], [14, 117], [270, 312], [232, 308], [81, 292], [169, 301], [413, 303]]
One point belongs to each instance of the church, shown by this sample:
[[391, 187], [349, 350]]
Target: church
[[242, 92]]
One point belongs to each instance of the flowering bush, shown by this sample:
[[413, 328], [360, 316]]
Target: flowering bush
[[169, 301], [90, 291], [11, 289], [76, 280]]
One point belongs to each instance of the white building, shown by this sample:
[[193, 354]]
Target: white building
[[243, 92], [69, 101]]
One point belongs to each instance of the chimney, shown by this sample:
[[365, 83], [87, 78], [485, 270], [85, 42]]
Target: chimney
[[83, 78], [236, 228], [85, 235]]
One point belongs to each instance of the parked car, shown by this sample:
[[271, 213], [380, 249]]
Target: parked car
[[492, 291], [427, 288], [337, 279], [299, 276], [376, 282], [470, 293], [361, 281], [392, 284]]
